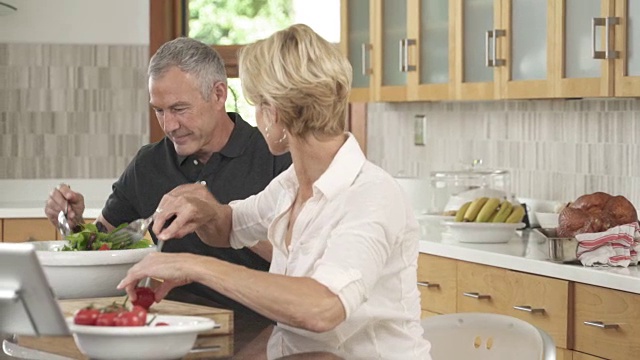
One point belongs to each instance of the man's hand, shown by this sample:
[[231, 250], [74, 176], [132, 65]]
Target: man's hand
[[63, 198]]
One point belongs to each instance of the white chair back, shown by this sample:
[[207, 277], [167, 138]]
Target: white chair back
[[485, 336]]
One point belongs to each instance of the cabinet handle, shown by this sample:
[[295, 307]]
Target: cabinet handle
[[600, 324], [405, 64], [529, 309], [476, 295], [428, 284], [401, 54], [487, 57], [365, 49], [496, 34], [607, 22]]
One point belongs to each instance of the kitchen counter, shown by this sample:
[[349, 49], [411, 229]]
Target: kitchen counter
[[25, 198], [35, 209], [528, 252]]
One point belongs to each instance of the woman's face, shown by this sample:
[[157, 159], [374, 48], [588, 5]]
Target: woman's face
[[275, 135]]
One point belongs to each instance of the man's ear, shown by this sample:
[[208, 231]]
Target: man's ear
[[219, 92]]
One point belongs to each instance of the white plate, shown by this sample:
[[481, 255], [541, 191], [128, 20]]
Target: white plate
[[141, 342], [484, 233]]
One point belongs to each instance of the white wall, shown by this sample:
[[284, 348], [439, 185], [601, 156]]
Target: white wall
[[124, 22]]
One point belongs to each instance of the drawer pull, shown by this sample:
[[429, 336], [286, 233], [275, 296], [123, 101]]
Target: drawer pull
[[428, 284], [600, 324], [529, 309], [476, 295]]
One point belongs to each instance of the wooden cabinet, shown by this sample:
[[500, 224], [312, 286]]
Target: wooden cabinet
[[357, 18], [437, 284], [413, 50], [20, 230], [405, 54], [607, 322], [504, 49], [598, 39]]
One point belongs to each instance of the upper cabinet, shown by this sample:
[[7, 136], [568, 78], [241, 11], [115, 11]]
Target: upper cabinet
[[504, 49], [597, 43], [406, 54], [356, 27], [412, 50]]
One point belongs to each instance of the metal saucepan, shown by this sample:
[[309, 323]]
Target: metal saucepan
[[561, 249]]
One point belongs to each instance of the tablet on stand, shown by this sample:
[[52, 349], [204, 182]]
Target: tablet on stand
[[27, 303]]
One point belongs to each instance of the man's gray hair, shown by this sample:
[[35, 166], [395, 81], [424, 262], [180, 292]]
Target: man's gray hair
[[194, 58]]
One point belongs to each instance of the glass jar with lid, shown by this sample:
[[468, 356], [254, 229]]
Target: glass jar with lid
[[448, 184]]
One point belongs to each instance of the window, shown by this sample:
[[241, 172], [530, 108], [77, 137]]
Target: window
[[228, 24]]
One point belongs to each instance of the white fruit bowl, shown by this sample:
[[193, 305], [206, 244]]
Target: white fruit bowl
[[430, 223], [172, 341], [482, 233], [86, 274]]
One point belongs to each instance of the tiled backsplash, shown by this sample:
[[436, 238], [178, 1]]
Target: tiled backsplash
[[71, 111], [554, 149]]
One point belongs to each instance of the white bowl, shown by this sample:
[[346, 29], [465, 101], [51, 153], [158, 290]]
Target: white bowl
[[547, 220], [430, 223], [484, 233], [86, 274], [141, 342]]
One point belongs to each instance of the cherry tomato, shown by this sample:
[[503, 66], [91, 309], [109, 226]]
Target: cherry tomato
[[140, 312], [104, 247], [162, 323], [107, 318], [86, 316], [145, 297], [128, 318]]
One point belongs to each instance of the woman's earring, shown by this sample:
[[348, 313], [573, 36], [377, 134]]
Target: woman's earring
[[284, 136], [266, 131]]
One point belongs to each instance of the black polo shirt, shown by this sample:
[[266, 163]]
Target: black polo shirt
[[242, 168]]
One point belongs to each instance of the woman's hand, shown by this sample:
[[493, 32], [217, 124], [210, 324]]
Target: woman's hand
[[171, 270], [190, 206]]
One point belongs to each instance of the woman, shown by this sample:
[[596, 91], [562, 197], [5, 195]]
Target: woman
[[345, 242]]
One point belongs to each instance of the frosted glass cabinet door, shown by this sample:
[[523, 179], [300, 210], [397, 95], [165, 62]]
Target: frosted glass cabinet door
[[529, 26], [578, 59], [477, 20], [633, 38], [358, 39], [434, 41], [394, 30]]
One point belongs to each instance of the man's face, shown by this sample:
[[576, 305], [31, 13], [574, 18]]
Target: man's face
[[186, 118]]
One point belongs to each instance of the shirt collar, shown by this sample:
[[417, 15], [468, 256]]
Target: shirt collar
[[343, 170], [238, 140]]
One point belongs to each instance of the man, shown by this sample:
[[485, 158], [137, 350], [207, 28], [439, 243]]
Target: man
[[203, 144]]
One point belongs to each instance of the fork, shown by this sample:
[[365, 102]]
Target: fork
[[133, 232]]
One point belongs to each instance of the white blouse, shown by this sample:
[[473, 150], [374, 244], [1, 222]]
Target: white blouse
[[356, 235]]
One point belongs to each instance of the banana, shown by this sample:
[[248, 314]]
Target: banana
[[516, 215], [503, 213], [475, 207], [461, 211], [488, 209]]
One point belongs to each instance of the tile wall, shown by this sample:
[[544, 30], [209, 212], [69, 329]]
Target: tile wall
[[71, 111], [554, 149]]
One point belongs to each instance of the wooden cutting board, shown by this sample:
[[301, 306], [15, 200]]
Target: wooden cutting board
[[217, 343]]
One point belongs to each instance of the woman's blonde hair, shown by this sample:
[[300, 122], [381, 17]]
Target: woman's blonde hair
[[303, 76]]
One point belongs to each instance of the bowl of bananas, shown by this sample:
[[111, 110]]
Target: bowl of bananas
[[486, 220]]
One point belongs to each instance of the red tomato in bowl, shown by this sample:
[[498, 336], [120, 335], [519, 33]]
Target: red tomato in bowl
[[86, 316], [107, 318], [129, 318]]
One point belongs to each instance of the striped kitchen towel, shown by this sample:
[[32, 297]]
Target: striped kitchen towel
[[617, 246]]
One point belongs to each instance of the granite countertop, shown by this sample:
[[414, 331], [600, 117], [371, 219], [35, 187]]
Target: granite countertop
[[528, 252]]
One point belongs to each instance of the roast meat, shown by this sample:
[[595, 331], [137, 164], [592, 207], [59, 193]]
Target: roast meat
[[595, 213]]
